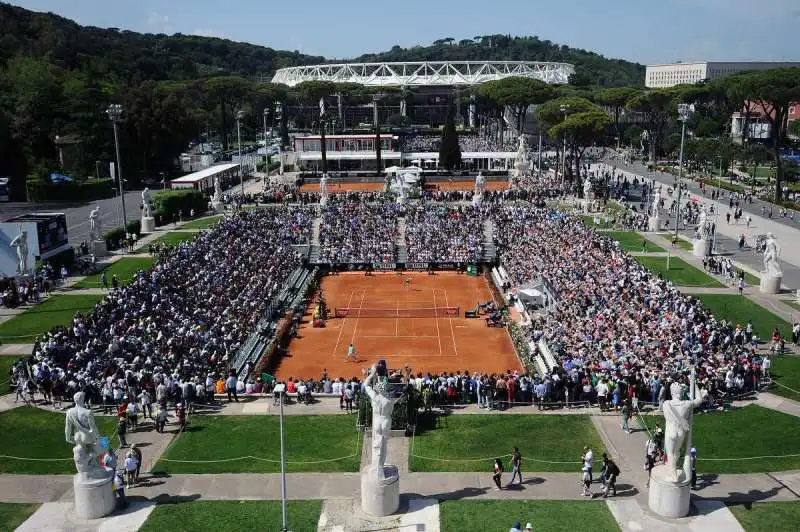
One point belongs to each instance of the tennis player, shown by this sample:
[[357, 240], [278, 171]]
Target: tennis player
[[351, 353], [408, 282]]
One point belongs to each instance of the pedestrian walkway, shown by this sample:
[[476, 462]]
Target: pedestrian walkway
[[773, 302]]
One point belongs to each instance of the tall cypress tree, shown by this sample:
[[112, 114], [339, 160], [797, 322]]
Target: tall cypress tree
[[449, 150]]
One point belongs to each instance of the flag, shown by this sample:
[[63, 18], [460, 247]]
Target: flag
[[322, 107]]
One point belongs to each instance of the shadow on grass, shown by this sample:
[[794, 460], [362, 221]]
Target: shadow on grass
[[166, 498]]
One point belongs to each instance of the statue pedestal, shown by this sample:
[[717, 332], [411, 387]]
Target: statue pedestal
[[323, 201], [148, 225], [770, 284], [380, 497], [98, 248], [94, 497], [477, 199], [654, 223], [668, 498], [702, 248], [217, 206]]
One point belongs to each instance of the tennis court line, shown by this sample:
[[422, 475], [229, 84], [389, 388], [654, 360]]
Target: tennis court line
[[452, 332], [341, 327], [438, 332]]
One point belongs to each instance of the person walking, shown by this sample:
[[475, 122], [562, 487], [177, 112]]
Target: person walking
[[498, 473], [137, 453], [230, 387], [119, 490], [741, 286], [122, 430], [516, 466], [588, 459], [351, 353], [693, 466], [611, 474], [104, 280], [130, 469], [626, 415]]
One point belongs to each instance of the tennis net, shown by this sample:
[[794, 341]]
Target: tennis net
[[429, 312]]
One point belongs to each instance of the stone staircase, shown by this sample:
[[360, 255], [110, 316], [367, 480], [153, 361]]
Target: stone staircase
[[400, 251], [315, 225], [313, 254], [489, 251]]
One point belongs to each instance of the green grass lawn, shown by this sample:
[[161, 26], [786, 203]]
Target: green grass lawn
[[786, 371], [630, 241], [471, 443], [124, 268], [566, 516], [301, 516], [307, 439], [681, 243], [202, 223], [174, 238], [32, 433], [740, 309], [778, 516], [680, 273], [13, 514], [57, 310], [751, 431]]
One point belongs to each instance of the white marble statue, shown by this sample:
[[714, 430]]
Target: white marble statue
[[323, 190], [480, 185], [147, 200], [21, 243], [382, 399], [81, 430], [217, 190], [95, 225], [704, 225], [771, 252], [678, 417], [587, 188], [656, 201]]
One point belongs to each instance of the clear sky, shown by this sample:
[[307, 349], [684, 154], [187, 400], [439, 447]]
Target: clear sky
[[647, 31]]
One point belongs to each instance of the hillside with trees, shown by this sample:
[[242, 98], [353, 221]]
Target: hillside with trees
[[590, 68]]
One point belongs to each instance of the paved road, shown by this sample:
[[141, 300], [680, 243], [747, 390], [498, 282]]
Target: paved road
[[78, 213], [694, 187], [786, 231]]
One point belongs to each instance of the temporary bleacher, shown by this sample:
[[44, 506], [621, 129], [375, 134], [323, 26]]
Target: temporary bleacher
[[547, 355], [262, 339]]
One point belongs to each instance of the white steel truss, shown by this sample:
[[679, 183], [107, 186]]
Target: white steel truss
[[425, 73]]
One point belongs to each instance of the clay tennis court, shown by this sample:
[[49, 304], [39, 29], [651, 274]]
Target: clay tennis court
[[460, 184], [449, 342]]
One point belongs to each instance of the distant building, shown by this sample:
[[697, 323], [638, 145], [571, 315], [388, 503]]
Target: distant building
[[758, 124], [669, 75]]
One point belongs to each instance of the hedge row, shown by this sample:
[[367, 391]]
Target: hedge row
[[169, 204], [114, 237], [89, 190]]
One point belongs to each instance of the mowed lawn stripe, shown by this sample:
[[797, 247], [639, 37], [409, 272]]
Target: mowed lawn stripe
[[124, 269], [630, 241], [680, 272], [57, 310], [312, 443], [471, 442]]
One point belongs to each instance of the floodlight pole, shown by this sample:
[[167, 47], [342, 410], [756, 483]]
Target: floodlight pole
[[239, 116], [114, 113], [283, 470], [684, 110]]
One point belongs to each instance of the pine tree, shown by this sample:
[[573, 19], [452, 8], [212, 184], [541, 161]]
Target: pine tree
[[449, 150]]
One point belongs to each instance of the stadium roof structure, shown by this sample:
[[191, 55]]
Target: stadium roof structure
[[425, 73]]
